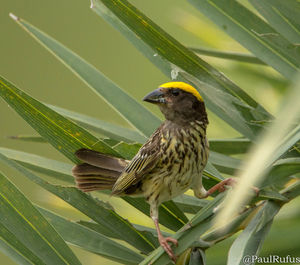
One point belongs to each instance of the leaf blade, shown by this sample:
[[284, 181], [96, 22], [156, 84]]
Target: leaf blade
[[61, 133], [236, 107], [250, 240], [230, 146], [16, 250], [19, 217], [282, 15], [89, 240], [117, 98], [281, 169], [241, 57], [108, 129], [76, 198], [62, 171], [253, 33]]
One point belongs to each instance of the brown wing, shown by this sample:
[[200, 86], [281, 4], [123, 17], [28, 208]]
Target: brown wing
[[145, 160]]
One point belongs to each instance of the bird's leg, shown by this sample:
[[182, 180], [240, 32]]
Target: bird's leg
[[221, 187], [163, 241]]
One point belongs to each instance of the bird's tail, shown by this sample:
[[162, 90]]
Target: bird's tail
[[98, 172]]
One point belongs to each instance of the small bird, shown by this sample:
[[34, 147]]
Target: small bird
[[168, 164]]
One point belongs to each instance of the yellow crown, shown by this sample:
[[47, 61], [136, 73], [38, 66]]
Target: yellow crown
[[183, 86]]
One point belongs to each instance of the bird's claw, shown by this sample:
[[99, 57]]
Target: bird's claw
[[164, 243], [232, 182]]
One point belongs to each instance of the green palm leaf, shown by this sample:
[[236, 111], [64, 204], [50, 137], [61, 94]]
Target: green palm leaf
[[221, 95], [97, 210], [253, 33], [26, 231], [123, 103]]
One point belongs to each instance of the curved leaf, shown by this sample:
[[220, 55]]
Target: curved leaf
[[230, 146], [89, 240], [292, 191], [222, 96], [224, 163], [27, 231], [250, 240], [281, 169], [64, 135], [62, 171], [280, 136], [236, 224], [105, 128], [190, 204], [282, 15], [58, 170], [290, 139], [97, 210], [253, 33], [118, 99], [241, 57], [11, 246]]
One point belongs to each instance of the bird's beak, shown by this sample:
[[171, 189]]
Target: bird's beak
[[156, 96]]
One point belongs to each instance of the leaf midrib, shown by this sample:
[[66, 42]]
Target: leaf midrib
[[32, 226], [253, 35], [183, 53], [50, 120], [286, 19], [16, 250], [134, 229]]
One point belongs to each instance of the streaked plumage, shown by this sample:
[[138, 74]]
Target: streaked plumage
[[168, 164]]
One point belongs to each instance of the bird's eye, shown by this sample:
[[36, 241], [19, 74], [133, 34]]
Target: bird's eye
[[175, 92]]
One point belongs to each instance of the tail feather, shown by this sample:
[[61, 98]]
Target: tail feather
[[86, 169], [90, 187], [100, 160], [94, 178], [99, 171]]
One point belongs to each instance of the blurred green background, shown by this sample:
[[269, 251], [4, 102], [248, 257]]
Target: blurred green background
[[29, 66]]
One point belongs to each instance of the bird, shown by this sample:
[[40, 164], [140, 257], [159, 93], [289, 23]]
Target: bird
[[170, 162]]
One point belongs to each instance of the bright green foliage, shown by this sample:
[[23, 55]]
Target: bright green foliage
[[33, 235]]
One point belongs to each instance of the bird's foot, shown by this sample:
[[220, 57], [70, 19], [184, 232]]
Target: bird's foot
[[163, 241], [221, 187], [227, 182]]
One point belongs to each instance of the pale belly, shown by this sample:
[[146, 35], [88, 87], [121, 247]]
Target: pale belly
[[164, 187]]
